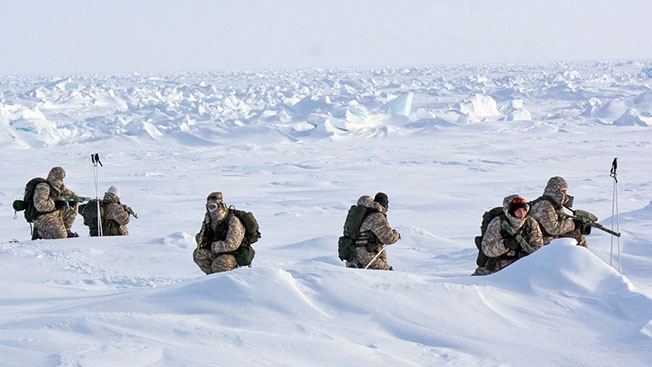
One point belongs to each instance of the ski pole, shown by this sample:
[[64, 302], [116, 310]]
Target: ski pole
[[614, 214], [95, 159], [375, 257]]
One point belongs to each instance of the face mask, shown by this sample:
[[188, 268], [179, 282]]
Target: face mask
[[569, 201]]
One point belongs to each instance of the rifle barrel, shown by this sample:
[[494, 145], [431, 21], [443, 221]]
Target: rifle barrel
[[601, 227]]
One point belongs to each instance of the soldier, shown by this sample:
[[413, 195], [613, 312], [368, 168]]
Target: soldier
[[504, 248], [375, 233], [116, 215], [221, 234], [56, 217], [548, 210]]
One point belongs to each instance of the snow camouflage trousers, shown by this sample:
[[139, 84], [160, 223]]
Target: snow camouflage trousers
[[363, 257], [500, 264], [56, 224], [210, 263]]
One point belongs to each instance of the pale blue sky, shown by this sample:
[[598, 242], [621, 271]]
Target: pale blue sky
[[85, 36]]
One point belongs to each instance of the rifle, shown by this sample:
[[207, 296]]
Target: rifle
[[130, 211], [521, 241], [590, 219], [71, 199]]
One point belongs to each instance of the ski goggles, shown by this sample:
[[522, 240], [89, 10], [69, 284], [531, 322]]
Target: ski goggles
[[519, 201]]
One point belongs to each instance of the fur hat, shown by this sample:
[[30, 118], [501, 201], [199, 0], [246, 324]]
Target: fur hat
[[557, 184], [214, 197], [56, 173], [382, 199], [55, 178]]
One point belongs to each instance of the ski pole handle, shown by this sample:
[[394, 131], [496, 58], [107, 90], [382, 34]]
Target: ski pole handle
[[95, 158], [614, 167]]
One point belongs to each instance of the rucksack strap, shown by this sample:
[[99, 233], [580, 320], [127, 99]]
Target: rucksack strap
[[220, 232], [547, 198]]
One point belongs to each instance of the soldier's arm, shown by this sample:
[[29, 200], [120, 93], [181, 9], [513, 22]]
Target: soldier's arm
[[117, 213], [66, 192], [535, 237], [493, 244], [233, 239], [199, 238], [42, 201], [547, 216], [379, 225]]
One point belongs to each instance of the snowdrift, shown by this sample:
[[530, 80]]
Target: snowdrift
[[298, 148]]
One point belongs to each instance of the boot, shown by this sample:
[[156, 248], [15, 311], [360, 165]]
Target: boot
[[36, 235]]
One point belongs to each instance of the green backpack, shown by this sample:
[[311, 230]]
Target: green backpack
[[252, 229], [89, 212], [487, 217], [27, 204], [351, 232], [244, 255]]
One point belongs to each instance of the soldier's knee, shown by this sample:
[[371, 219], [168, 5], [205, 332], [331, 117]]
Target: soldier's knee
[[53, 233], [224, 263]]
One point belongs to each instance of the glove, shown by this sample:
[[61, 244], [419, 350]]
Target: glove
[[512, 243], [584, 228], [59, 204]]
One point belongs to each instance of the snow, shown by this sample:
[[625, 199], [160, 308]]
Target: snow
[[298, 147]]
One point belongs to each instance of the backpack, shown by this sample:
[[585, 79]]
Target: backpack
[[351, 232], [89, 212], [244, 255], [487, 217], [27, 204], [252, 230]]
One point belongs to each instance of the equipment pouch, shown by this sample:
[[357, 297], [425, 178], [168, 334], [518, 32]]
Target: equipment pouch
[[346, 248], [19, 205], [244, 255], [482, 259]]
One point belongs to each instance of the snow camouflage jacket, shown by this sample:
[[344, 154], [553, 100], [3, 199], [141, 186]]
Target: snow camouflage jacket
[[44, 195], [493, 242], [115, 217], [57, 218], [234, 234], [376, 223], [550, 215]]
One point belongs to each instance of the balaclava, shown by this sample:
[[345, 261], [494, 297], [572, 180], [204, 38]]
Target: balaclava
[[216, 207], [510, 204], [55, 177], [553, 189]]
